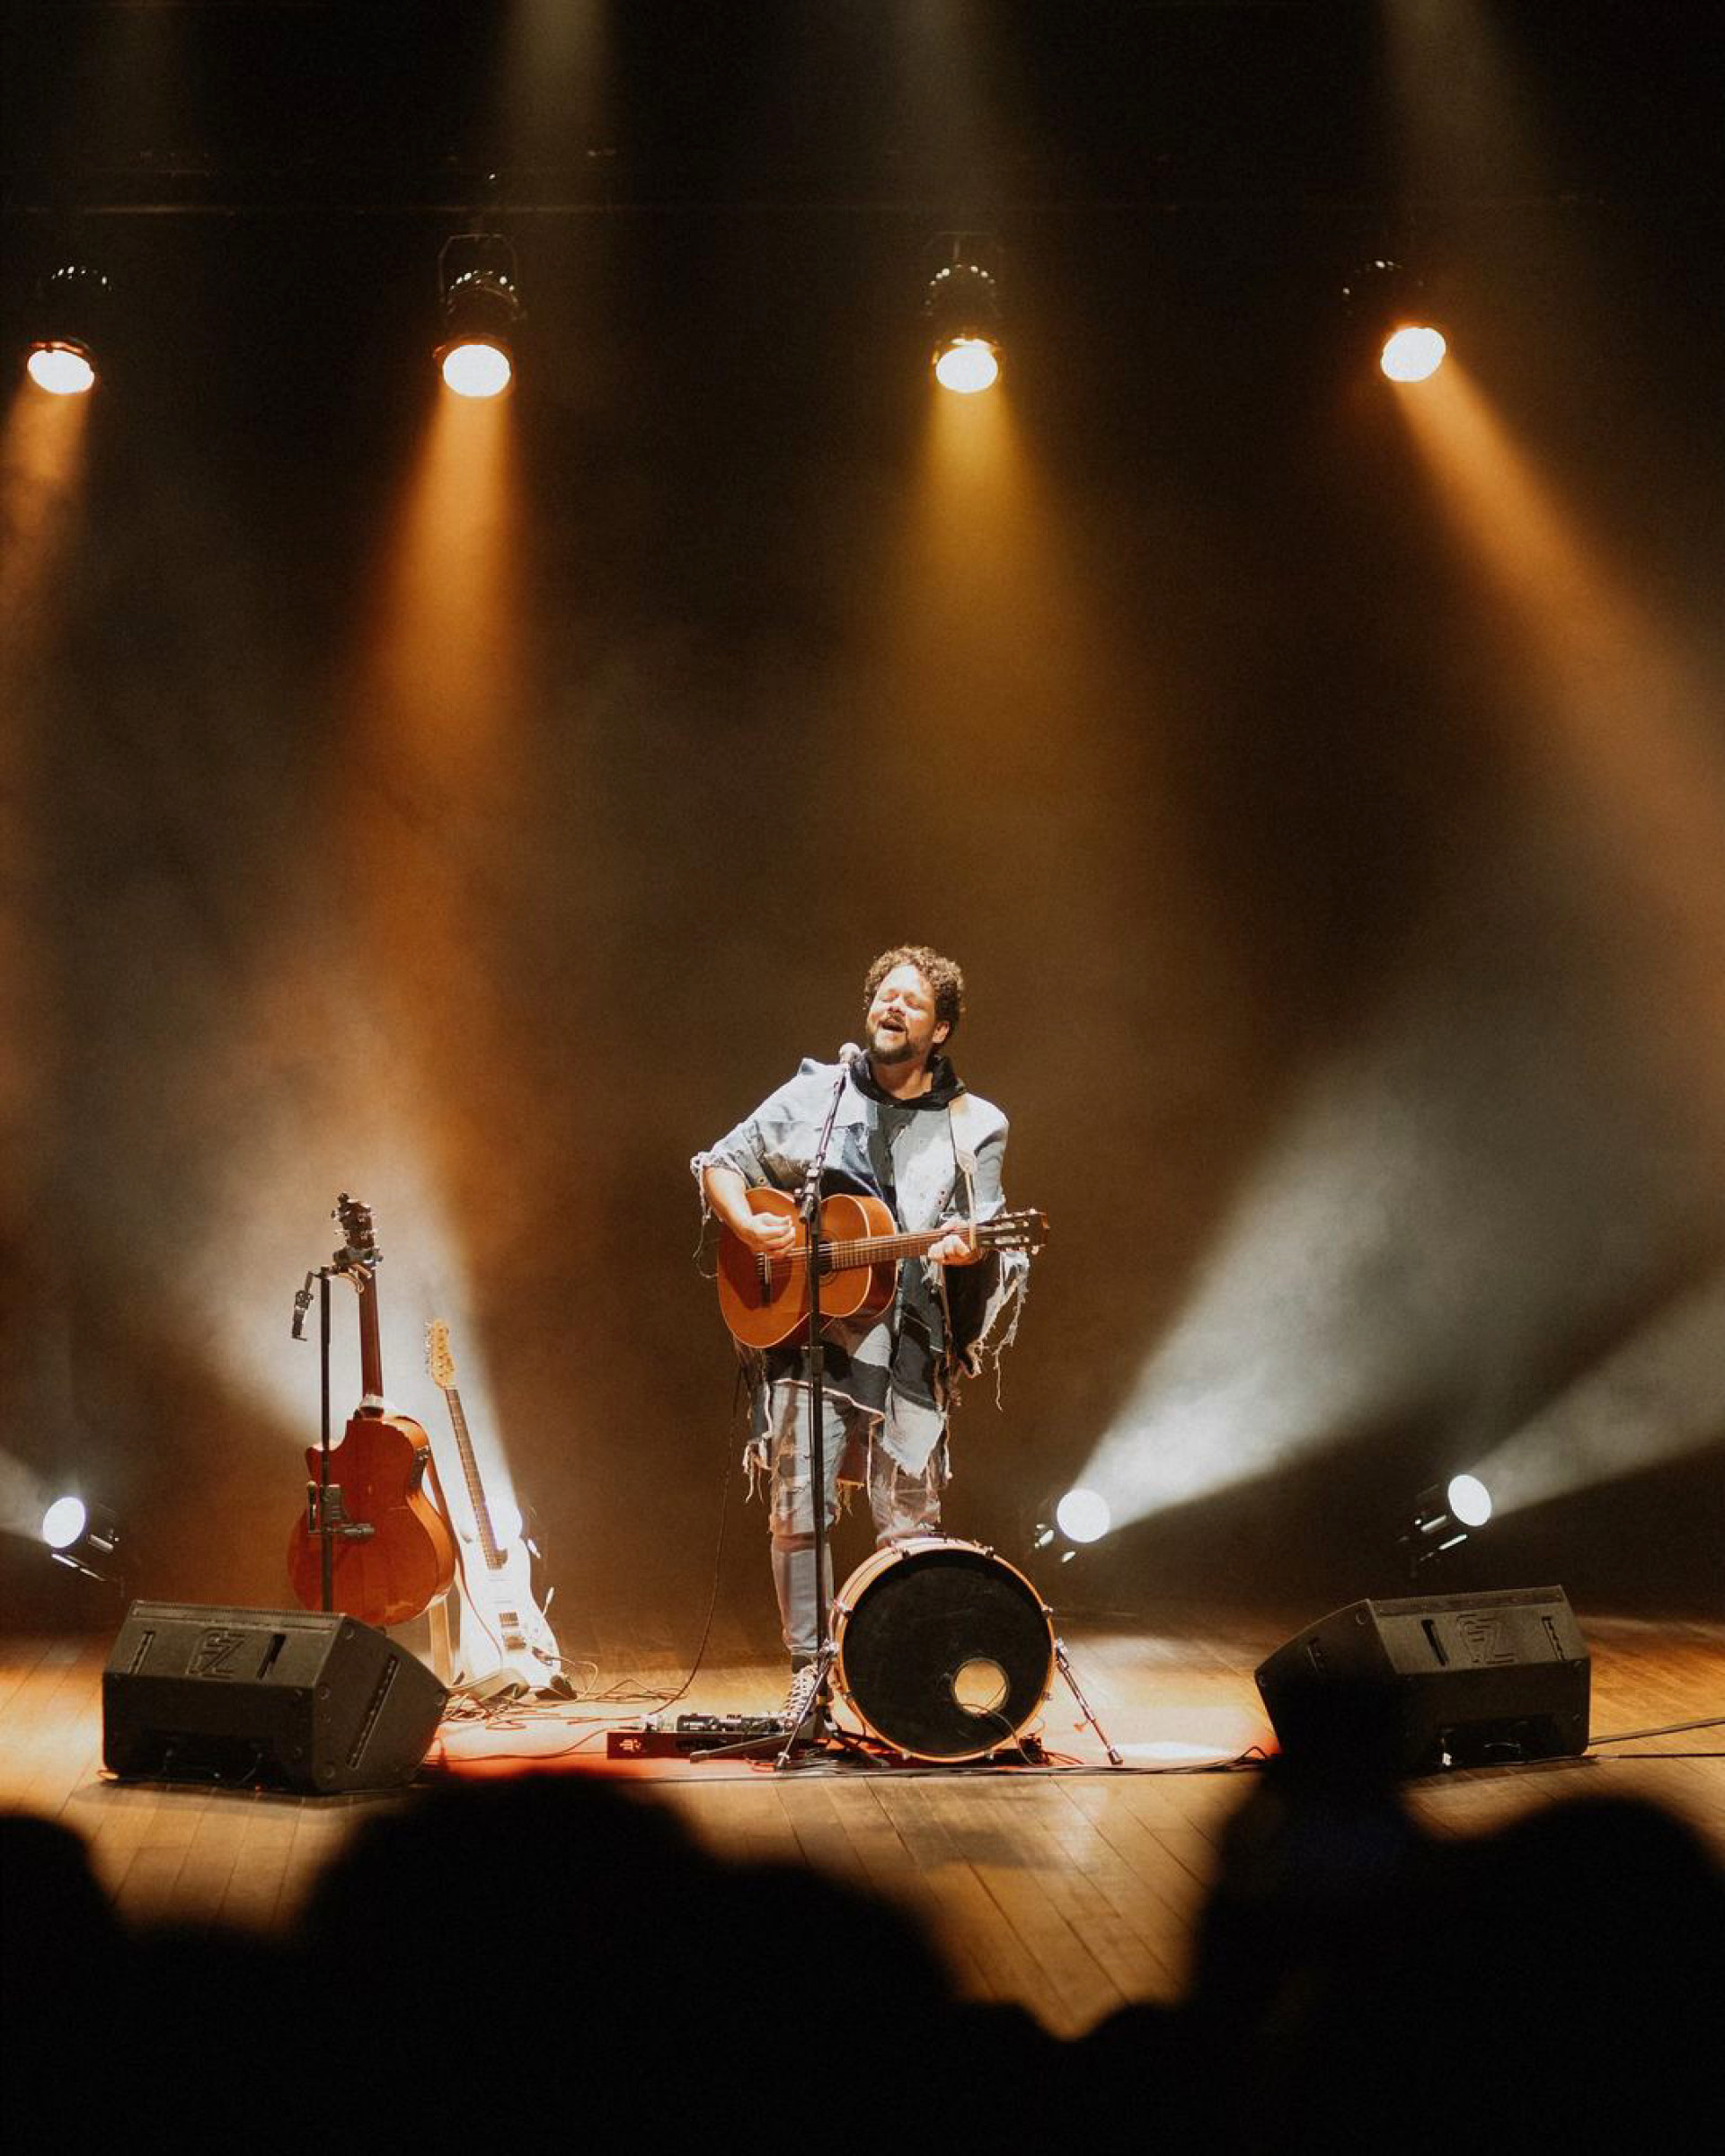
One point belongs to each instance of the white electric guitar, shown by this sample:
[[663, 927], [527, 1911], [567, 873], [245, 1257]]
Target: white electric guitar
[[505, 1638]]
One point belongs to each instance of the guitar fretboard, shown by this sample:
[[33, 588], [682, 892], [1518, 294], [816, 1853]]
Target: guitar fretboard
[[476, 1488], [846, 1256]]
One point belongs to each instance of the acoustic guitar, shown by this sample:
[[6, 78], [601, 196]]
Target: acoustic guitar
[[409, 1557], [765, 1300], [506, 1638]]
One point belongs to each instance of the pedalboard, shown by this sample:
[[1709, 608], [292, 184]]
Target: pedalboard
[[691, 1733]]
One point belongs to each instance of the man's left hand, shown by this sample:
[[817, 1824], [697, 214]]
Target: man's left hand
[[957, 1246]]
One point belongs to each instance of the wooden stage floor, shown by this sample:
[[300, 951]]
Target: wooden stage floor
[[1069, 1892]]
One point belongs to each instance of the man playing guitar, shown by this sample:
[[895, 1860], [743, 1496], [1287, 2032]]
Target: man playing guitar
[[908, 1136]]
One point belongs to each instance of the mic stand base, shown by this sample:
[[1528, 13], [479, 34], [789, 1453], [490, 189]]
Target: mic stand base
[[800, 1738], [814, 1710]]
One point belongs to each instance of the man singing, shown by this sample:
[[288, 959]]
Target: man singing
[[906, 1132]]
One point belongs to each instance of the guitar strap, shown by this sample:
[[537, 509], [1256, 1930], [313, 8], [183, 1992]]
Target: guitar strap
[[960, 1116], [961, 1112]]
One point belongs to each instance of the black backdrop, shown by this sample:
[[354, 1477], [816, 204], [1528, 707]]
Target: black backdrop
[[1181, 717]]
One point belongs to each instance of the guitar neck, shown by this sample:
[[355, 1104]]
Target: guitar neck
[[371, 1354], [476, 1488], [841, 1256]]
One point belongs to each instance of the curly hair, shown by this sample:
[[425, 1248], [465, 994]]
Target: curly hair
[[942, 976]]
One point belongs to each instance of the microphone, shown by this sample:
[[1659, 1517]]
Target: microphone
[[302, 1303], [849, 1053]]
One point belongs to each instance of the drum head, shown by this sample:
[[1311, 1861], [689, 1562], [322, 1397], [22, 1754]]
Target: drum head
[[947, 1652]]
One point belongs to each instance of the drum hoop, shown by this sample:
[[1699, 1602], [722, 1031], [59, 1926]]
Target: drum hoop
[[874, 1568], [882, 1560]]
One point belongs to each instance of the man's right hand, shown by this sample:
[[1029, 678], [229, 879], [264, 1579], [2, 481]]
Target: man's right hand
[[770, 1233]]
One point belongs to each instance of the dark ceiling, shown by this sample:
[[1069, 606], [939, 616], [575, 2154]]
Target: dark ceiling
[[220, 105]]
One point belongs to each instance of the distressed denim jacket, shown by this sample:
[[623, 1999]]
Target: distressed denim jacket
[[933, 1159]]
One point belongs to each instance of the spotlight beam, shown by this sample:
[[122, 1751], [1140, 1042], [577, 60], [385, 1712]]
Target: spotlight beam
[[1656, 1400]]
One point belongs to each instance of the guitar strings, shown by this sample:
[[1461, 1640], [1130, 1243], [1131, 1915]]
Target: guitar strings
[[876, 1249]]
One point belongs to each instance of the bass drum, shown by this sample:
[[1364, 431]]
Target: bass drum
[[945, 1651]]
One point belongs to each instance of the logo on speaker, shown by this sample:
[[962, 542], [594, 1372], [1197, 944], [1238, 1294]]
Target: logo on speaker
[[215, 1653], [1486, 1639]]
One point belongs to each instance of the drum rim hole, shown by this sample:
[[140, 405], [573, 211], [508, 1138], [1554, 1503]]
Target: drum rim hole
[[997, 1680]]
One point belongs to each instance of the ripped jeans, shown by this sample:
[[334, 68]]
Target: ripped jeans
[[904, 1505]]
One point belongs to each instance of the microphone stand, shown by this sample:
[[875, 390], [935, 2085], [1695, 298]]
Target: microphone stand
[[809, 1203], [326, 1514]]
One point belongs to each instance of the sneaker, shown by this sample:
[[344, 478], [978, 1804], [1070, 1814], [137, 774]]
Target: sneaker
[[798, 1708]]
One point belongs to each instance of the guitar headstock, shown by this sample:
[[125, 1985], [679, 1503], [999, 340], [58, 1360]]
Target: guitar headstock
[[438, 1360], [358, 1253], [1025, 1231], [360, 1250]]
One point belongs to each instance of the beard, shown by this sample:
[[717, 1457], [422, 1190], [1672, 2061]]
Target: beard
[[891, 1047]]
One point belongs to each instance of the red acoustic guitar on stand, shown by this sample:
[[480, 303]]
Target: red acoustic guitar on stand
[[378, 1468]]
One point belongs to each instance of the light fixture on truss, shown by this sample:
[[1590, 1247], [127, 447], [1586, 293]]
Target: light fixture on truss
[[961, 305], [480, 302], [70, 316]]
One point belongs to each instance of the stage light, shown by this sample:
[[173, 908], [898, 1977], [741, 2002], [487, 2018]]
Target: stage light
[[1469, 1500], [1078, 1518], [962, 306], [83, 1536], [1389, 302], [967, 366], [1083, 1515], [480, 308], [1443, 1517], [63, 370], [1413, 354], [477, 369], [69, 318]]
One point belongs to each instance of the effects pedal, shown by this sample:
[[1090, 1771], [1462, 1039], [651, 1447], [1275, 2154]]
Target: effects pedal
[[691, 1733]]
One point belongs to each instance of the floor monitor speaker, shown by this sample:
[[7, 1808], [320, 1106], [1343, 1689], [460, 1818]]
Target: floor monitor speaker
[[301, 1699], [1437, 1681]]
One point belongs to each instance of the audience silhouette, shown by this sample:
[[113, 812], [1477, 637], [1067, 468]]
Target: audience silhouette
[[551, 1955]]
